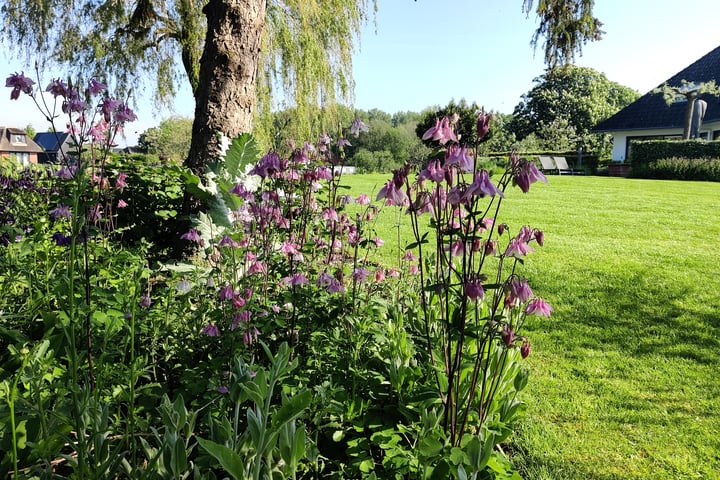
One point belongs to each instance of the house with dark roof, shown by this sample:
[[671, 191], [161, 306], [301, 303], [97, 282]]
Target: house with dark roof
[[649, 117], [56, 146], [16, 145]]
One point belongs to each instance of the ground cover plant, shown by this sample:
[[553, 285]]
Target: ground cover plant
[[623, 376], [282, 348]]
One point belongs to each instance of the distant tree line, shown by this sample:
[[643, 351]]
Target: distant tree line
[[557, 114]]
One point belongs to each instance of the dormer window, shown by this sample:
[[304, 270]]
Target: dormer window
[[18, 139]]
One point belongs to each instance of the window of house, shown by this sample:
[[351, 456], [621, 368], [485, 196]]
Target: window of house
[[18, 138], [23, 158]]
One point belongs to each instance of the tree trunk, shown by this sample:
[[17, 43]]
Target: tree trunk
[[225, 100], [687, 125]]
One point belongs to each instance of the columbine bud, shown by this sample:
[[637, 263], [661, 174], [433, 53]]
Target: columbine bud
[[508, 335], [483, 125], [490, 247], [145, 301], [525, 349]]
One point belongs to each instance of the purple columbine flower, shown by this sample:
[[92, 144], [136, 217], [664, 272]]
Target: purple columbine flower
[[539, 307], [57, 88], [108, 106], [96, 87], [434, 171], [295, 280], [211, 330], [242, 192], [256, 268], [457, 155], [363, 199], [124, 114], [357, 127], [482, 186], [518, 248], [192, 236], [19, 83], [61, 240], [227, 241], [66, 173], [490, 247], [360, 275], [183, 287], [74, 104], [441, 132], [392, 194], [393, 190], [122, 203], [250, 335], [120, 182], [268, 165], [483, 124], [518, 291], [526, 173], [61, 211], [474, 290], [226, 292], [324, 140]]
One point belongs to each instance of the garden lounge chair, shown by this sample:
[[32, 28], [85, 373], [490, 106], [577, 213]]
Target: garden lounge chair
[[547, 165], [562, 167]]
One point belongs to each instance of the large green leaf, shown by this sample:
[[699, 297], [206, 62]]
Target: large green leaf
[[292, 409], [242, 151], [230, 461]]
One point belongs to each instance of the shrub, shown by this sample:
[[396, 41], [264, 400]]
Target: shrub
[[682, 169], [648, 151]]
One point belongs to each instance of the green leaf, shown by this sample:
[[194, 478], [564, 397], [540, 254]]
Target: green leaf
[[430, 446], [292, 409], [457, 456], [521, 379], [242, 151], [461, 473], [366, 466], [194, 187], [179, 462], [298, 452], [230, 461], [254, 425]]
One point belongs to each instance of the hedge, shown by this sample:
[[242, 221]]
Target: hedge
[[648, 151], [707, 169], [673, 159]]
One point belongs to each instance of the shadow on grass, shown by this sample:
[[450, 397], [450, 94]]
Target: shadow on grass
[[637, 314], [627, 372]]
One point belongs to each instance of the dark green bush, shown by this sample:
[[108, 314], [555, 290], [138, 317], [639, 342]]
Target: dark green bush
[[155, 197], [673, 159], [648, 151], [682, 169]]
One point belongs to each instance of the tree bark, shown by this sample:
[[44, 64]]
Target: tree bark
[[225, 100], [687, 124]]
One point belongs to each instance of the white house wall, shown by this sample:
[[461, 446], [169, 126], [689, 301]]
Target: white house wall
[[620, 138]]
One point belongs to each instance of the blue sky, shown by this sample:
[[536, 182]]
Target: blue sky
[[427, 52]]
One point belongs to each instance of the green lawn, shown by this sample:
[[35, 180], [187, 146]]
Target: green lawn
[[625, 373]]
